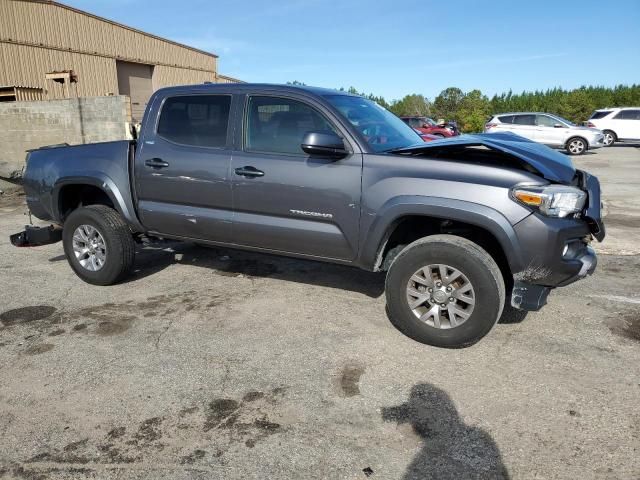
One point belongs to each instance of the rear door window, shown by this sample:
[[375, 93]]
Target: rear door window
[[198, 120], [525, 119], [628, 115], [598, 115], [506, 118]]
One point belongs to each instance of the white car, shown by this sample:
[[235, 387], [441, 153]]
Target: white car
[[617, 124], [549, 129]]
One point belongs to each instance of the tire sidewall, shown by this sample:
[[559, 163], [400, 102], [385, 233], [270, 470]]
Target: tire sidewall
[[489, 297], [112, 267]]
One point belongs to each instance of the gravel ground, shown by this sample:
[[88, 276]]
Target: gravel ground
[[212, 363]]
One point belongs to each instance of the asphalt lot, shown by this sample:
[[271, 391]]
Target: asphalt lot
[[221, 364]]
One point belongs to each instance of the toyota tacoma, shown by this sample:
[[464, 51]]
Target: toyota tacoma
[[463, 227]]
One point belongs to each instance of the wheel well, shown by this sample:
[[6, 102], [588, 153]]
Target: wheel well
[[72, 197], [411, 228], [615, 135]]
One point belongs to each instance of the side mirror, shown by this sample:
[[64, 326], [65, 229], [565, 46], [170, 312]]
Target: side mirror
[[324, 144]]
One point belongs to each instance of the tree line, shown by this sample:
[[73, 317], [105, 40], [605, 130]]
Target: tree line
[[472, 109]]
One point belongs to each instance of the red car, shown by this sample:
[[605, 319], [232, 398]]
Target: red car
[[427, 137], [427, 125]]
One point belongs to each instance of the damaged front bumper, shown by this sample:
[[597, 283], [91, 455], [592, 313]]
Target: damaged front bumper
[[36, 236], [532, 297]]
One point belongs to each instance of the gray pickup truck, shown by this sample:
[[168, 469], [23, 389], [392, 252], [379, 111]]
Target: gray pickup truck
[[463, 227]]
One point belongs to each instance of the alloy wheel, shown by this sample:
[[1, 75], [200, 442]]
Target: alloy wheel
[[89, 248], [440, 296]]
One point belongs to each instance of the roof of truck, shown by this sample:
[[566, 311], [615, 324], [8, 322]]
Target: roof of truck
[[254, 86]]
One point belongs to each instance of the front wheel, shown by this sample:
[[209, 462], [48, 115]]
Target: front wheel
[[98, 245], [576, 146], [444, 291]]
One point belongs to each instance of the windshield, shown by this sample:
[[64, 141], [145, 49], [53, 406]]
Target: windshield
[[382, 130]]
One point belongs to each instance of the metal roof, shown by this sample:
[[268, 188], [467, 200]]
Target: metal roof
[[121, 25]]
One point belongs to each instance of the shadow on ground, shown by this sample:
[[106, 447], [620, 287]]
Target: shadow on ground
[[451, 449], [151, 259]]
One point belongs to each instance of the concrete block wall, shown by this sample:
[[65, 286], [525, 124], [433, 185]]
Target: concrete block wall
[[27, 125]]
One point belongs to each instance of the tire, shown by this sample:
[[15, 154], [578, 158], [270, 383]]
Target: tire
[[576, 146], [114, 240], [609, 138], [477, 267]]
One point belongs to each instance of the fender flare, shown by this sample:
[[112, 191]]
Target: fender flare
[[395, 209], [122, 202]]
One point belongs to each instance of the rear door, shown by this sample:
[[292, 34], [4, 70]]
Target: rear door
[[525, 126], [182, 167], [284, 199], [626, 124]]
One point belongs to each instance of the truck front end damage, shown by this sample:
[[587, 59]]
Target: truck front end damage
[[557, 251]]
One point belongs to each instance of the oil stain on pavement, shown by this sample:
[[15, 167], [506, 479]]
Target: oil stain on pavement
[[211, 429]]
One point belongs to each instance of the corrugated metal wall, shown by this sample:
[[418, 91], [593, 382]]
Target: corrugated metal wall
[[21, 65], [39, 36]]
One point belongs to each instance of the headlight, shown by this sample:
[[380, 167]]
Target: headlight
[[553, 200]]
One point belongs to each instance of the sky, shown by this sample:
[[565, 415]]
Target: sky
[[394, 48]]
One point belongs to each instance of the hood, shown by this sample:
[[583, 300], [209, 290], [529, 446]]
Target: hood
[[551, 164]]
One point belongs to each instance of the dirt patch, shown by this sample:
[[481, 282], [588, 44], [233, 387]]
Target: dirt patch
[[252, 396], [38, 349], [626, 325], [13, 199], [350, 379], [193, 457], [26, 315], [219, 410], [149, 430], [115, 327], [624, 221]]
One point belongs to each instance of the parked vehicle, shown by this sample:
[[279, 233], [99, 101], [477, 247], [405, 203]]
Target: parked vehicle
[[429, 126], [427, 137], [548, 129], [463, 228], [617, 124]]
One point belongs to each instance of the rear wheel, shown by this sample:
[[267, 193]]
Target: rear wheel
[[609, 138], [576, 146], [98, 245], [444, 291]]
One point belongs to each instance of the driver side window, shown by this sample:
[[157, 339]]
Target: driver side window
[[277, 125]]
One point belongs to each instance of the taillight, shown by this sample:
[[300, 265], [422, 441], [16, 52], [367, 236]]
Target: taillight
[[590, 125], [489, 126]]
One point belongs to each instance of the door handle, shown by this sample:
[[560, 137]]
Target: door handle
[[156, 163], [249, 172]]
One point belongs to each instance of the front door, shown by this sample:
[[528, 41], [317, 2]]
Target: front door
[[182, 168], [547, 131], [286, 200]]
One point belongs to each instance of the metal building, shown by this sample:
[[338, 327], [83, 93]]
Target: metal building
[[45, 45]]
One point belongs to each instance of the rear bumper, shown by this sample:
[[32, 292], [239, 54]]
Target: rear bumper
[[36, 236]]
